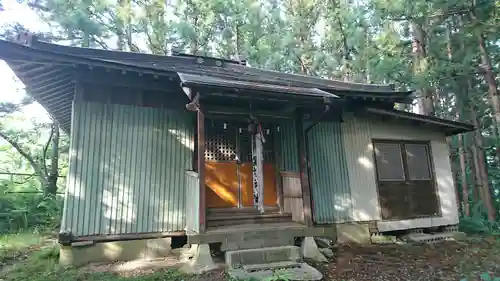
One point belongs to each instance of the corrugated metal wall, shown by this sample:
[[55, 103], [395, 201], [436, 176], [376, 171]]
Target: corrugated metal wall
[[288, 146], [126, 171], [357, 136], [329, 176]]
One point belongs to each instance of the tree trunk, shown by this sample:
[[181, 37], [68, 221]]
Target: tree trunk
[[478, 182], [484, 190], [51, 188], [420, 65], [489, 76], [463, 177], [455, 173]]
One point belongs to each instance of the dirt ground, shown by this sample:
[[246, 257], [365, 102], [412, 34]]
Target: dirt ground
[[457, 261], [423, 262], [442, 261]]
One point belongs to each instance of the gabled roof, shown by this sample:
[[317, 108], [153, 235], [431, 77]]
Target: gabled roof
[[47, 70]]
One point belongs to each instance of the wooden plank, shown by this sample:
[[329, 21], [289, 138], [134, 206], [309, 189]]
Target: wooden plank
[[292, 187], [201, 168], [290, 174], [293, 203], [304, 174], [295, 206]]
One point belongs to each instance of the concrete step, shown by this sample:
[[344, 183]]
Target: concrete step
[[240, 258], [271, 263]]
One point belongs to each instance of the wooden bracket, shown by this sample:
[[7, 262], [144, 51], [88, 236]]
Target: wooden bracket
[[194, 105]]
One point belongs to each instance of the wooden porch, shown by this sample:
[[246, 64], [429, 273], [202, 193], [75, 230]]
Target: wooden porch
[[290, 191], [287, 214]]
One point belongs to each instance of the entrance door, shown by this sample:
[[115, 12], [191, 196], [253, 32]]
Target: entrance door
[[228, 165]]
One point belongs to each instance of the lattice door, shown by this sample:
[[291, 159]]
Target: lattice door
[[228, 164]]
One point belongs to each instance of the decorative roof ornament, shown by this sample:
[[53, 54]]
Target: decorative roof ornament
[[25, 38]]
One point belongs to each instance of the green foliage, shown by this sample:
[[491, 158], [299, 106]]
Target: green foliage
[[484, 277], [474, 225], [29, 211]]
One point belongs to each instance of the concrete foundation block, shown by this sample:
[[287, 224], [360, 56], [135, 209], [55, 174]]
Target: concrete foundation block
[[310, 250], [383, 239], [348, 233], [327, 252], [184, 254], [277, 271], [115, 251], [436, 237], [237, 259], [201, 262]]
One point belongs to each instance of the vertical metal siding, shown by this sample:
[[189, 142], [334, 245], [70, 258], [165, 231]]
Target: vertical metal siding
[[288, 146], [357, 137], [329, 176], [126, 170]]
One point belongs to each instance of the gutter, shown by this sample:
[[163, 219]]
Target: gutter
[[306, 144]]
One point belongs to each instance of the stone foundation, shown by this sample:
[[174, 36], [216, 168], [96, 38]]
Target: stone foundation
[[348, 233], [115, 251]]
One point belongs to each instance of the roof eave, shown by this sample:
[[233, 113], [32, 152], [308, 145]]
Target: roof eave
[[189, 80], [449, 127]]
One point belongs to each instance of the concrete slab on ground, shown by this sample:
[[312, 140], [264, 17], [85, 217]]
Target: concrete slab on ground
[[239, 258], [278, 271], [435, 237]]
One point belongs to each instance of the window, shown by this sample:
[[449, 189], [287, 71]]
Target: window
[[405, 179]]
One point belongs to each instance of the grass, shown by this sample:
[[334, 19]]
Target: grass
[[42, 266], [11, 245], [32, 256]]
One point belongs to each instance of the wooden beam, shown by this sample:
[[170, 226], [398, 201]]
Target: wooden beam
[[194, 106], [225, 110], [303, 168], [125, 237], [201, 168], [277, 156], [127, 80]]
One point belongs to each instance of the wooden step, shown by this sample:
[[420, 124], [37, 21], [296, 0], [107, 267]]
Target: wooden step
[[241, 218], [247, 210]]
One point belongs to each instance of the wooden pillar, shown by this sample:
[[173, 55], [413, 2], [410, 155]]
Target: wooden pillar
[[277, 157], [194, 106], [200, 119], [304, 175]]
